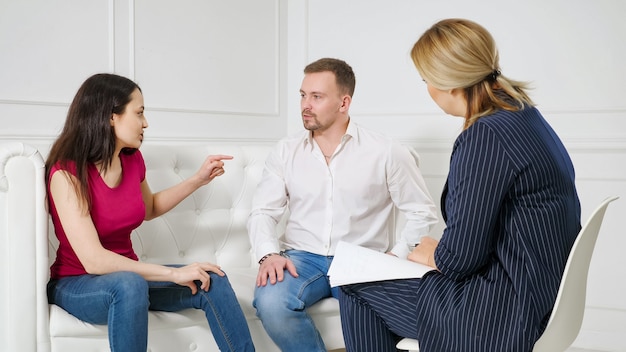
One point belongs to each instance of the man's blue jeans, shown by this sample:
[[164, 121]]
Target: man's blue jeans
[[282, 306], [122, 300]]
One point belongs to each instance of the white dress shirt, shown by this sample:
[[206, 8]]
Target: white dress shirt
[[351, 198]]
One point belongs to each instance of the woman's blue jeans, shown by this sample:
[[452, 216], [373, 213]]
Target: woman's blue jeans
[[282, 306], [122, 300]]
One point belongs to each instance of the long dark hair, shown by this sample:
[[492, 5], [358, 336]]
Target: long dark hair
[[87, 136]]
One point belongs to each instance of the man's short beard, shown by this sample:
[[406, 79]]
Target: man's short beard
[[312, 125]]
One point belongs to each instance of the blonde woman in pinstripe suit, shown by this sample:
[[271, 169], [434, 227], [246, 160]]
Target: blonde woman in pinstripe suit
[[511, 211]]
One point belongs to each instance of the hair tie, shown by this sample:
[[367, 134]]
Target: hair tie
[[493, 76]]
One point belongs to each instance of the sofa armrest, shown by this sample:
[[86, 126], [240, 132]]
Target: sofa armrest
[[24, 249]]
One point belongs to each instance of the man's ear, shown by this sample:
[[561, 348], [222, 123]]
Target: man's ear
[[345, 103]]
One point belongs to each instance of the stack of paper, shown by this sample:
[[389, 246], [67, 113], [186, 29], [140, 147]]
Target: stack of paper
[[354, 264]]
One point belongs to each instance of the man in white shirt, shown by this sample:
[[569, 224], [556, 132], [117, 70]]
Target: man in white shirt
[[338, 181]]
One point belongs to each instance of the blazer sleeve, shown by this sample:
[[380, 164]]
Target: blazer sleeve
[[481, 174]]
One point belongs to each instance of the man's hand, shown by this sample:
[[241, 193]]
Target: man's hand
[[424, 253], [274, 267]]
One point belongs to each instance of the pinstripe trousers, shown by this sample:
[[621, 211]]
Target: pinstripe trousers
[[376, 315]]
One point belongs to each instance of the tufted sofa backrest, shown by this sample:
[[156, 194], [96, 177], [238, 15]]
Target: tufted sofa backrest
[[209, 225]]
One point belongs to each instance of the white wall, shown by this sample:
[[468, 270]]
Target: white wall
[[230, 71], [208, 69]]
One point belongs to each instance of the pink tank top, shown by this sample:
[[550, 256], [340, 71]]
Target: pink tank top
[[115, 212]]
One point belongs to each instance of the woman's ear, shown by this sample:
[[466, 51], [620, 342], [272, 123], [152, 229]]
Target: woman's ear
[[459, 101]]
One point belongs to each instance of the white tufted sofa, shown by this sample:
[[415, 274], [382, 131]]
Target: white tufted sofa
[[210, 225]]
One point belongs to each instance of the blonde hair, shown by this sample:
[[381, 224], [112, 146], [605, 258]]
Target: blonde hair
[[461, 54]]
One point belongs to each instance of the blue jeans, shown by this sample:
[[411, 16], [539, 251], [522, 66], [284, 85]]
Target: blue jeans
[[282, 306], [122, 300]]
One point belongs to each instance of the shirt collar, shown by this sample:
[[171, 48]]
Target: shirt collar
[[351, 132]]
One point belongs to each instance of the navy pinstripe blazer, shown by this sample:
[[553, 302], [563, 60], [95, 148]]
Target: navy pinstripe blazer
[[512, 214]]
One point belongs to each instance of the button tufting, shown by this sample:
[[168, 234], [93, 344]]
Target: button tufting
[[193, 346], [198, 211], [144, 257], [181, 254], [176, 170]]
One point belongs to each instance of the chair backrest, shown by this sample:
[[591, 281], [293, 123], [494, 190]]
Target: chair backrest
[[569, 307]]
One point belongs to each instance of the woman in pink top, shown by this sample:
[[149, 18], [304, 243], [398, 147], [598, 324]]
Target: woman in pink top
[[98, 195]]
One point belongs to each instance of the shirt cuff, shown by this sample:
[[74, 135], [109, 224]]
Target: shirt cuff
[[401, 250], [265, 249]]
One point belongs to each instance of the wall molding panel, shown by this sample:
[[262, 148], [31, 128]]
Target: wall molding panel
[[213, 65]]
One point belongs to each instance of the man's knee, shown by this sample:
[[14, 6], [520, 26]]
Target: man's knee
[[276, 301]]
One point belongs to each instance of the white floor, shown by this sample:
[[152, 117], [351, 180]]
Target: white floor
[[568, 350]]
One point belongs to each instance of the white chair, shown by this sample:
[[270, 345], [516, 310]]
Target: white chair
[[569, 307], [411, 345]]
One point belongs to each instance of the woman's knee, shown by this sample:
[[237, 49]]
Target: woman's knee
[[129, 286], [218, 285], [219, 281]]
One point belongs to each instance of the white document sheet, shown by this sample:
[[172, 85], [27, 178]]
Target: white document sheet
[[353, 264]]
